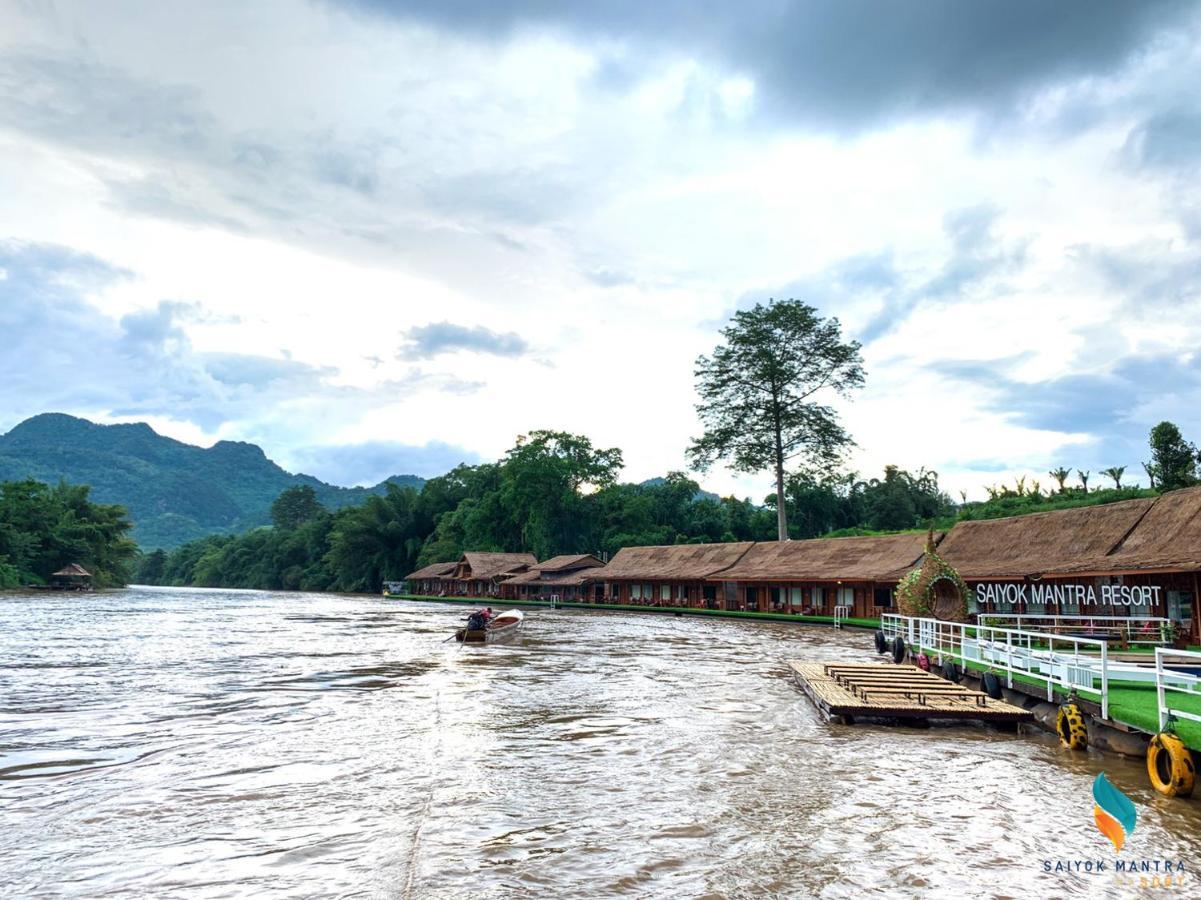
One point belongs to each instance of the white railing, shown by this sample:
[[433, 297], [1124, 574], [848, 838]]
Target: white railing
[[841, 613], [1053, 660], [1169, 682], [1132, 629]]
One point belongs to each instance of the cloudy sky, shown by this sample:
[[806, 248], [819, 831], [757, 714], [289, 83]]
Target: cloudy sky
[[379, 237]]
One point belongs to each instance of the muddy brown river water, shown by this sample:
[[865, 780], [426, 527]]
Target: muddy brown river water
[[196, 743]]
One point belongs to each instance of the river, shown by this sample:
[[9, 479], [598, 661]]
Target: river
[[200, 743]]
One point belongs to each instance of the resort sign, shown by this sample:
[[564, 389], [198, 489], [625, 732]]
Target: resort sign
[[1110, 594]]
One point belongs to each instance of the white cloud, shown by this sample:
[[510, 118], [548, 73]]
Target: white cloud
[[287, 191]]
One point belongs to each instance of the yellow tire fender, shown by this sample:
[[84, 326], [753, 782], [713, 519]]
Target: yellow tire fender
[[1170, 766], [1071, 727]]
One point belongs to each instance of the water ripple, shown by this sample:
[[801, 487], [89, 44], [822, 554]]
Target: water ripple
[[218, 743]]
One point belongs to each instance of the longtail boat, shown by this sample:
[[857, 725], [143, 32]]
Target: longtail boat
[[503, 625]]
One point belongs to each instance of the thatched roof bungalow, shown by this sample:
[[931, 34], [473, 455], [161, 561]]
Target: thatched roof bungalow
[[674, 575], [1167, 538], [1020, 547], [1133, 558], [558, 578], [430, 581], [479, 574], [814, 576]]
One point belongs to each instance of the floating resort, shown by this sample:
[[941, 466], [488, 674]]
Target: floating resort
[[1084, 620], [1136, 560]]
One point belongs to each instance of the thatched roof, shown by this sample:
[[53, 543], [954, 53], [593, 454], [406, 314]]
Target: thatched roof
[[554, 579], [565, 563], [876, 558], [1039, 543], [681, 562], [74, 570], [560, 571], [433, 570], [1167, 536], [476, 566]]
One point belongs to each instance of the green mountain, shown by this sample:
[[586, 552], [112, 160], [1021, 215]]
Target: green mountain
[[174, 492]]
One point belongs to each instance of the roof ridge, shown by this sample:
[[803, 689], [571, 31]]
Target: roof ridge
[[1129, 531], [750, 546]]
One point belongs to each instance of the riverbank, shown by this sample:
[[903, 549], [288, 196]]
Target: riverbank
[[659, 610]]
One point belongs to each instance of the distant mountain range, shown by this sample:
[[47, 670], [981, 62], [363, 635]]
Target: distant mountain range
[[699, 495], [175, 492]]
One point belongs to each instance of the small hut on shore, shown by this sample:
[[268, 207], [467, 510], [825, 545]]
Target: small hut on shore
[[73, 577]]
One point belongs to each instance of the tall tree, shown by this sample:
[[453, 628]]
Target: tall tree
[[1083, 479], [1173, 459], [1116, 473], [761, 390]]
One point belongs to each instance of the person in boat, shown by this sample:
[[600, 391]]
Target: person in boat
[[488, 614], [478, 620]]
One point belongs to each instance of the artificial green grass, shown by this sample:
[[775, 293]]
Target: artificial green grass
[[1139, 706], [1130, 703], [662, 610]]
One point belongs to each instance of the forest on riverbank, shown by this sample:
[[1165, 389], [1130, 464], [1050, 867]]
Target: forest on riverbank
[[551, 493], [45, 527], [555, 493]]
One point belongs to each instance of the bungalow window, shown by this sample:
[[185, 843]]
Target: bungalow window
[[648, 593], [846, 596], [1180, 606], [775, 594], [882, 598], [796, 597], [635, 592], [709, 595], [665, 592]]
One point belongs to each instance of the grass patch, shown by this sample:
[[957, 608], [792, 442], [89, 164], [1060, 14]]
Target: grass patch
[[1130, 703]]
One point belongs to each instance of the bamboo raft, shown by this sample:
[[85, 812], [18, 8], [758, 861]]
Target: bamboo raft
[[846, 691]]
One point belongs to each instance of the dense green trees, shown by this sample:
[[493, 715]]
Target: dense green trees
[[556, 493], [44, 527], [552, 493], [1173, 459]]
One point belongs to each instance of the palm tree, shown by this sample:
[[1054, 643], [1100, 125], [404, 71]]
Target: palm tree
[[1083, 479], [1152, 473], [1061, 475], [1116, 473]]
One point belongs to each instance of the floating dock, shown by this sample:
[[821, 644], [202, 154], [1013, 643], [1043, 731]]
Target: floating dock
[[849, 691]]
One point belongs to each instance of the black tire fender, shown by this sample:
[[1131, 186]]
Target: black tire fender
[[881, 642]]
